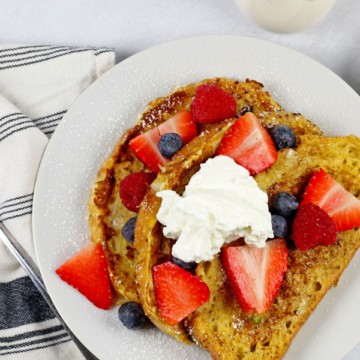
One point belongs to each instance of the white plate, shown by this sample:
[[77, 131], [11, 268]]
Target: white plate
[[90, 129]]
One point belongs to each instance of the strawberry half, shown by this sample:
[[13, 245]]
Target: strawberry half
[[325, 192], [182, 124], [145, 146], [249, 144], [212, 104], [256, 274], [178, 293], [87, 271]]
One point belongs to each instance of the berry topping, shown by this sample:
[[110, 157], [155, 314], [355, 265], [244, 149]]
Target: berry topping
[[188, 266], [256, 274], [132, 315], [212, 104], [279, 226], [169, 145], [128, 230], [145, 146], [133, 189], [312, 226], [178, 293], [249, 144], [182, 124], [87, 271], [343, 207], [283, 137], [285, 204]]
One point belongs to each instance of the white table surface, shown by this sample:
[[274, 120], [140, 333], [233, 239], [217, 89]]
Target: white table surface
[[133, 25]]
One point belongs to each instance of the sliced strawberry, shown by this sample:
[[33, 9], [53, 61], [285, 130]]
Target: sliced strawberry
[[178, 292], [249, 144], [211, 104], [325, 192], [146, 149], [256, 274], [145, 146], [312, 226], [87, 271], [182, 124], [133, 189]]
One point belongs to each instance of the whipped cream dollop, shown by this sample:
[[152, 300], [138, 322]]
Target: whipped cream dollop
[[221, 203]]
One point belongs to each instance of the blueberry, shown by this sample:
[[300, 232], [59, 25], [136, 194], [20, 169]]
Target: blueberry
[[132, 315], [283, 137], [188, 266], [284, 204], [128, 230], [279, 226], [169, 144]]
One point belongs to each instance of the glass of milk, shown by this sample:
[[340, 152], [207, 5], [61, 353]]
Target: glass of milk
[[285, 15]]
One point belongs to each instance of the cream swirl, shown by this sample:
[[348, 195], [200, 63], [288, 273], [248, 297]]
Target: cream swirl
[[221, 203]]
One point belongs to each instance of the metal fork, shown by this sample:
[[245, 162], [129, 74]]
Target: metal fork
[[32, 270]]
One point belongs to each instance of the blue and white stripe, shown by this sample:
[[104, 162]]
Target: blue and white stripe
[[28, 55], [16, 207], [27, 324], [22, 306], [13, 123], [47, 124]]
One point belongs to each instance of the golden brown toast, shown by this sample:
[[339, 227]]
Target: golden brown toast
[[107, 214], [151, 245], [220, 326]]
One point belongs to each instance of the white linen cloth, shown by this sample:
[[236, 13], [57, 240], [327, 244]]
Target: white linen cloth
[[37, 86]]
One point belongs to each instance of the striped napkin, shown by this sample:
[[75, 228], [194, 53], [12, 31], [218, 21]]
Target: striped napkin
[[37, 86]]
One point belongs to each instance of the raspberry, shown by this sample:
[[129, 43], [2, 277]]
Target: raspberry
[[312, 226], [133, 189], [212, 104]]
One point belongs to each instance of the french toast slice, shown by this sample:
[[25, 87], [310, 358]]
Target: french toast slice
[[107, 214], [152, 247], [220, 326]]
